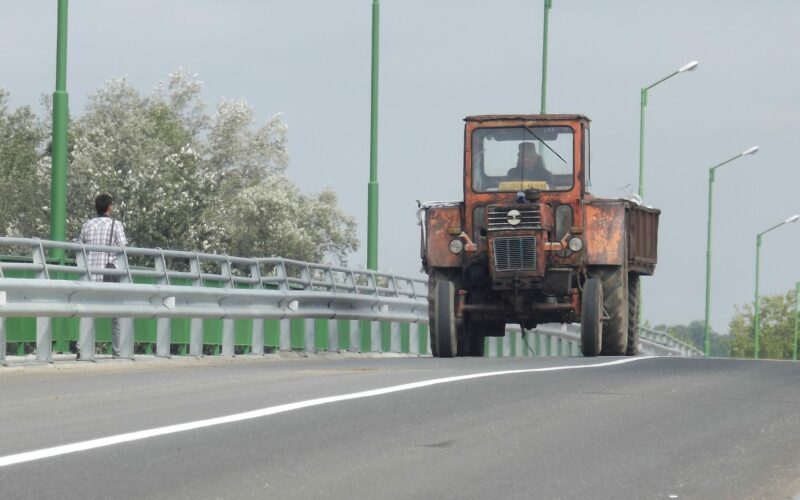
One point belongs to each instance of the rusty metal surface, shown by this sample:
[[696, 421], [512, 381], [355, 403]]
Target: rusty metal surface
[[486, 118], [604, 233], [643, 239], [437, 221], [573, 197]]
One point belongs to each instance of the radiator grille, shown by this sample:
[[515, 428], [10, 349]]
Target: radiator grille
[[513, 254], [529, 218]]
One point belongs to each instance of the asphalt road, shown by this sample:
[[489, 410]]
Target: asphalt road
[[651, 428]]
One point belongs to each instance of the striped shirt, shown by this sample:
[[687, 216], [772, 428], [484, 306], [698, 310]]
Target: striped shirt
[[97, 231]]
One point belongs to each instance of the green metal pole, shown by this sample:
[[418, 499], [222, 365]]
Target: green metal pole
[[756, 317], [58, 183], [796, 314], [706, 329], [640, 298], [641, 142], [711, 176], [58, 172], [372, 195], [547, 5]]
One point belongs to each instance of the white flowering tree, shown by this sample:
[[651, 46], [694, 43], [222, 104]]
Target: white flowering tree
[[22, 190], [183, 177]]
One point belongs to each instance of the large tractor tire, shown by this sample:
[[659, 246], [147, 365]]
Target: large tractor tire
[[442, 324], [615, 305], [633, 315], [473, 335], [592, 317], [432, 278]]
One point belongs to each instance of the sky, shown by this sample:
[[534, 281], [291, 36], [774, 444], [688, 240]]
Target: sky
[[442, 60]]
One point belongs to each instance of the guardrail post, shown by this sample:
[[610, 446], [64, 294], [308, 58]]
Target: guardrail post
[[87, 339], [257, 346], [394, 329], [375, 336], [286, 335], [3, 341], [228, 339], [163, 334], [413, 338], [492, 351], [44, 339], [196, 337], [355, 335], [310, 331], [126, 338], [333, 335], [507, 344]]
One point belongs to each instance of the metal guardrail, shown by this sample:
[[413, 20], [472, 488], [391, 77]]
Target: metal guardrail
[[651, 342], [663, 344], [168, 284]]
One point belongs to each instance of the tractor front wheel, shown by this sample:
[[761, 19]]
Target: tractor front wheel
[[592, 318], [442, 322]]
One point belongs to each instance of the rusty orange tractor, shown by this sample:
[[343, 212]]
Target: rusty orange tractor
[[529, 245]]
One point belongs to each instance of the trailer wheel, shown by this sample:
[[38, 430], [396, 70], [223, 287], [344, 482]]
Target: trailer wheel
[[633, 315], [591, 317], [615, 306], [443, 321]]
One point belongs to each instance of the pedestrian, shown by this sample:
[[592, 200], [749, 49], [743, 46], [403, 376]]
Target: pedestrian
[[107, 231]]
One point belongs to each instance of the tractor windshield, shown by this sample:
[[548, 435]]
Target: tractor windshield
[[519, 158]]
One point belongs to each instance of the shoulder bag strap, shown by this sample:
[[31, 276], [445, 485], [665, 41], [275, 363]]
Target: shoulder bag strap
[[111, 238]]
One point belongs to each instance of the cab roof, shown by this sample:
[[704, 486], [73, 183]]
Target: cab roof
[[488, 118]]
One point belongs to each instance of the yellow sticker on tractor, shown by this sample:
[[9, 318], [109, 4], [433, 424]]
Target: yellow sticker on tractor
[[523, 185]]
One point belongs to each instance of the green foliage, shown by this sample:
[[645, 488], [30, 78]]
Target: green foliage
[[694, 334], [22, 189], [182, 177], [777, 328]]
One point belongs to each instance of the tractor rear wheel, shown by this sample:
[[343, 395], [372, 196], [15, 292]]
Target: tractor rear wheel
[[633, 315], [474, 334], [591, 317], [615, 305]]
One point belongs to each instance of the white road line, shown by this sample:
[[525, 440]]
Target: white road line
[[273, 410]]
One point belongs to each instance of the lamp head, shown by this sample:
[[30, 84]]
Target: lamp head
[[688, 67], [793, 218], [750, 151]]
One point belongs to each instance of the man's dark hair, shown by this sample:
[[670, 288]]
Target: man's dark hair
[[102, 202]]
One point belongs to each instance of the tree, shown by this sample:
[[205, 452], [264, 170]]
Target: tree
[[307, 227], [777, 328], [182, 177], [694, 334], [22, 138]]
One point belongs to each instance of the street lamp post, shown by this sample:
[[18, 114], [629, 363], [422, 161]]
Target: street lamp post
[[796, 314], [688, 67], [757, 316], [706, 328], [58, 173], [548, 4], [372, 189]]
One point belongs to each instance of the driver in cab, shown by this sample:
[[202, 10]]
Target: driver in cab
[[530, 166]]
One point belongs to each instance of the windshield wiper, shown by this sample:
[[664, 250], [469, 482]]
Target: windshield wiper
[[545, 144]]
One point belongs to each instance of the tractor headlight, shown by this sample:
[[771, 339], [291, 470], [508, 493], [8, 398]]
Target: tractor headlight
[[575, 244], [456, 246]]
